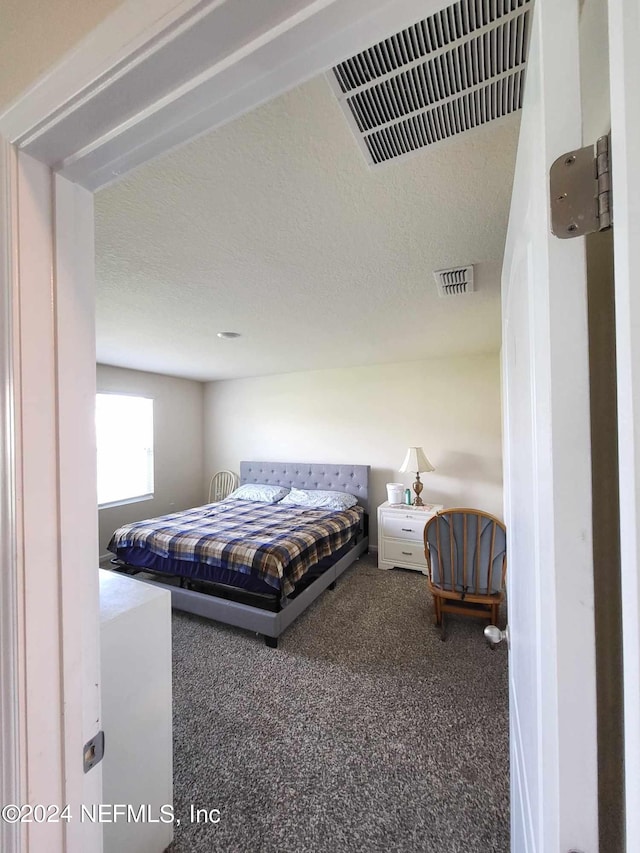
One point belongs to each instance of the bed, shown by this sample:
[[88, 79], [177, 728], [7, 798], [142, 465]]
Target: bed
[[254, 566]]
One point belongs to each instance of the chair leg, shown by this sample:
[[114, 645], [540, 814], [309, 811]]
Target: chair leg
[[436, 607]]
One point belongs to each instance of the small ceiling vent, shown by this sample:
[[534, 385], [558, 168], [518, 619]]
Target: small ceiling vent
[[454, 282], [454, 71]]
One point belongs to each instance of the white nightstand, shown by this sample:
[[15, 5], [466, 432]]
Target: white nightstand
[[400, 535]]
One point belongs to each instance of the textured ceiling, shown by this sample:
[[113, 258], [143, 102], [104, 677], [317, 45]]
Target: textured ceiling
[[274, 226]]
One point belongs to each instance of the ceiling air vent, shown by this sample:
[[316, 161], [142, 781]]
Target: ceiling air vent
[[455, 70], [454, 282]]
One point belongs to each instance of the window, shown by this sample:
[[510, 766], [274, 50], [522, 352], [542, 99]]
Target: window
[[124, 431]]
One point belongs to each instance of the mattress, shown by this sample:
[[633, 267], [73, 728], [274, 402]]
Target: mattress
[[262, 547]]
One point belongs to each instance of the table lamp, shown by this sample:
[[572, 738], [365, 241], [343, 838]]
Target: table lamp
[[415, 460]]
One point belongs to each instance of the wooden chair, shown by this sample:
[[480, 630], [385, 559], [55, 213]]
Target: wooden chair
[[221, 485], [466, 553]]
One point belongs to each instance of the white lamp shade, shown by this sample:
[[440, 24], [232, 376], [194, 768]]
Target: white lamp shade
[[415, 460]]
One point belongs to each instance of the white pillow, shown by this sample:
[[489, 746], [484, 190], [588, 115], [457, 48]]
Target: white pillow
[[259, 492], [319, 499]]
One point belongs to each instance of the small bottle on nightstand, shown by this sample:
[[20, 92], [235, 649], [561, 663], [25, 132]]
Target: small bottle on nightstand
[[407, 496]]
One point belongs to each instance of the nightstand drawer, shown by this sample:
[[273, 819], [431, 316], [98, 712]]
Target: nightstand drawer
[[403, 552], [403, 527]]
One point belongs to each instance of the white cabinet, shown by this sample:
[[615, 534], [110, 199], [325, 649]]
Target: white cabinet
[[401, 535], [135, 637]]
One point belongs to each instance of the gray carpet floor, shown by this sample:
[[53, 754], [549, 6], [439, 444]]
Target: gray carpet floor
[[361, 732]]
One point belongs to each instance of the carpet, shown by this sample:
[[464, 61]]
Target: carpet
[[361, 732]]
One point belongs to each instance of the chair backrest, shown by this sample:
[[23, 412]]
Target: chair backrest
[[466, 551], [221, 485]]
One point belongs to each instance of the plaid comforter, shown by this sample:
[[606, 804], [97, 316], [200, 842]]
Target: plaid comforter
[[272, 542]]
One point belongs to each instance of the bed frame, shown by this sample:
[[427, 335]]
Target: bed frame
[[353, 479]]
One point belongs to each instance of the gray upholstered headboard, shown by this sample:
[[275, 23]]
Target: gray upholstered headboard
[[353, 479]]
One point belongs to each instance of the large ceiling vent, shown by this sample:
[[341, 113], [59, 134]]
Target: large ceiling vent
[[455, 70], [455, 281]]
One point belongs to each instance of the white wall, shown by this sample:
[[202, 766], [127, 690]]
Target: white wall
[[34, 34], [178, 444], [370, 415]]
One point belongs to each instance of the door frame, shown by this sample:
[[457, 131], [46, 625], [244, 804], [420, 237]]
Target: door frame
[[50, 667], [49, 620], [624, 73], [10, 699]]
